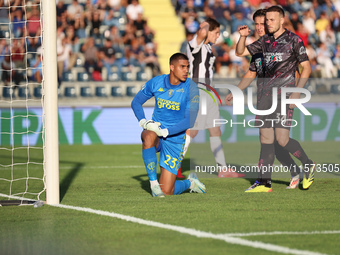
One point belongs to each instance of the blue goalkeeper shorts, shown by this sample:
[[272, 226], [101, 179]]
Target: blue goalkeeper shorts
[[170, 152]]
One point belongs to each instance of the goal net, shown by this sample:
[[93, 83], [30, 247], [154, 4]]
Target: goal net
[[25, 117]]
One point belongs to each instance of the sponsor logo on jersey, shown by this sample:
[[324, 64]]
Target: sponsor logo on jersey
[[180, 90], [273, 57], [170, 105], [160, 90], [258, 62]]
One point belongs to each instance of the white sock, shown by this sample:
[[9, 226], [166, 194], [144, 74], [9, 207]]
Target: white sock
[[153, 183], [191, 184], [186, 145], [217, 149]]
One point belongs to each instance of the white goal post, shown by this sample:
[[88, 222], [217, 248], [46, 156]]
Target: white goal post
[[50, 85], [29, 140]]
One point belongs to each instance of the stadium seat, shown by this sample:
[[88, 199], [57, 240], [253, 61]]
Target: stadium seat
[[100, 91], [131, 91], [141, 76], [83, 76], [8, 92], [85, 91], [321, 89], [68, 76], [116, 91], [70, 92], [24, 92], [37, 92], [113, 77], [335, 89], [127, 76]]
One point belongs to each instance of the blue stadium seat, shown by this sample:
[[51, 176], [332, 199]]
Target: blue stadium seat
[[68, 76], [70, 92], [85, 91], [8, 92], [131, 91], [37, 92], [83, 76], [141, 76], [127, 76], [116, 91], [335, 89], [24, 92], [100, 91]]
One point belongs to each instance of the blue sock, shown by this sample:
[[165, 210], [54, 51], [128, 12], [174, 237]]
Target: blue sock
[[181, 186], [150, 162]]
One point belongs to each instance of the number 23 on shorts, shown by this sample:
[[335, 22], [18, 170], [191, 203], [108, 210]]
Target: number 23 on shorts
[[172, 162]]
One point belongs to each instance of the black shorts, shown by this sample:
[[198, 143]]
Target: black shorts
[[275, 119]]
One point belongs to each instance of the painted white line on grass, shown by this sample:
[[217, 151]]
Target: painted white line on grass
[[194, 232], [284, 233], [98, 167]]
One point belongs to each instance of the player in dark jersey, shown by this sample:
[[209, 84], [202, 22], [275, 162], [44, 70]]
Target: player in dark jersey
[[176, 108], [283, 51], [256, 69]]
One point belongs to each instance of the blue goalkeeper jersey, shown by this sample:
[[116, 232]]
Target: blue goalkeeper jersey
[[172, 101]]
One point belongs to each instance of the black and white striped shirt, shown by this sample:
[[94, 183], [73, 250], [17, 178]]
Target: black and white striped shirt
[[201, 59]]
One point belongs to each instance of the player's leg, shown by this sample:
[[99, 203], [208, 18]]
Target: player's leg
[[286, 160], [263, 183], [294, 147], [216, 145], [150, 144], [169, 161], [189, 135]]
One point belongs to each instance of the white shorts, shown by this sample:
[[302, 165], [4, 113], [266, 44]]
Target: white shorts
[[208, 111]]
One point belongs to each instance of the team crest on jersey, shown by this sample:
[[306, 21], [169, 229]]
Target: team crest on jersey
[[302, 50], [170, 92]]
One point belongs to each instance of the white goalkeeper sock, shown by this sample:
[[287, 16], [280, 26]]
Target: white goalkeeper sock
[[153, 183], [217, 149]]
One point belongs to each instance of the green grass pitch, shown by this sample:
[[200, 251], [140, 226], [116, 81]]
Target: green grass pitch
[[112, 178]]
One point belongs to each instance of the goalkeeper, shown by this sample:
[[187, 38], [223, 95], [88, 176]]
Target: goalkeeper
[[176, 107]]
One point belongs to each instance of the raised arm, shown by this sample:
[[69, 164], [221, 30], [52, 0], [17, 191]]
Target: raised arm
[[202, 33], [241, 49]]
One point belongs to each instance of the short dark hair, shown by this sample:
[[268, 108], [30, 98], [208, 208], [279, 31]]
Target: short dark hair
[[178, 56], [259, 13], [276, 8], [213, 24]]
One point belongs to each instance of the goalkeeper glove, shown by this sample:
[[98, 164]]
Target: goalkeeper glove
[[143, 123], [154, 126]]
